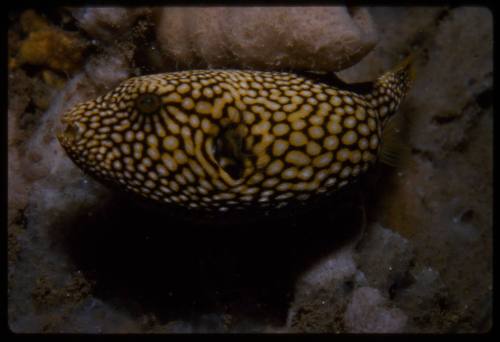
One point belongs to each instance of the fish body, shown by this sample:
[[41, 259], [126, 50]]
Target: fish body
[[227, 140]]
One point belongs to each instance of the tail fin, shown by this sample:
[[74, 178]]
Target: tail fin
[[392, 87]]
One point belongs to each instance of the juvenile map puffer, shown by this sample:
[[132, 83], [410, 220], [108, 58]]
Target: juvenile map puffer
[[227, 140]]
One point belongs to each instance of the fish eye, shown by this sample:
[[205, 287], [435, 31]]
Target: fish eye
[[148, 103]]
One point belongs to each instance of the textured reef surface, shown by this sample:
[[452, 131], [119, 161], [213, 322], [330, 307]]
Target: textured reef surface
[[407, 249]]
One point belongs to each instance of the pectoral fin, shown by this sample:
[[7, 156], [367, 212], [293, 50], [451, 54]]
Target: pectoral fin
[[229, 151]]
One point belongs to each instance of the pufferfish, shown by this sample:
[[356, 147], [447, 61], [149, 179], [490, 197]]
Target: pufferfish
[[222, 141]]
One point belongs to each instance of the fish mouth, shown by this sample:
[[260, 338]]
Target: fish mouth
[[70, 131]]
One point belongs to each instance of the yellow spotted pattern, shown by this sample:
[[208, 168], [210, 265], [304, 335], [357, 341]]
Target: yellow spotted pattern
[[175, 137]]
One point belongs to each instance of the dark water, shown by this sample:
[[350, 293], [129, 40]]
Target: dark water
[[145, 261]]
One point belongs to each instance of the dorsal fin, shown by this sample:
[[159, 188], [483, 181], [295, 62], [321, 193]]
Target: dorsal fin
[[333, 80]]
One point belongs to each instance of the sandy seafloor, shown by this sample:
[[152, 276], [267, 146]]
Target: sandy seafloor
[[408, 249]]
